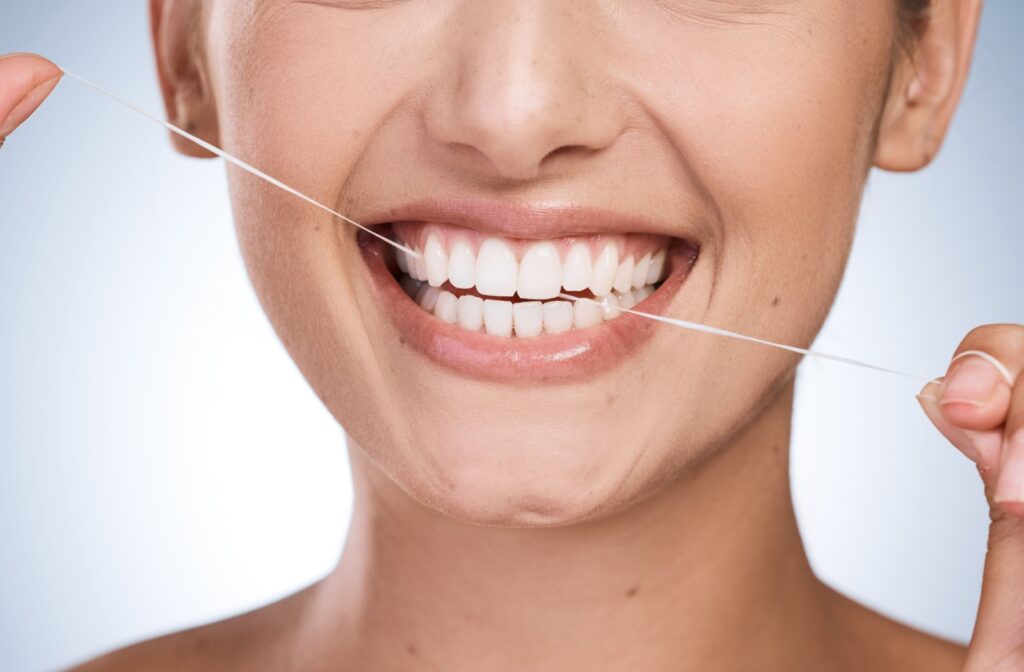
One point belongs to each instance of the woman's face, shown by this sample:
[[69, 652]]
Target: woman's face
[[732, 137]]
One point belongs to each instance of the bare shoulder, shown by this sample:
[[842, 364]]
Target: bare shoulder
[[254, 640], [876, 642]]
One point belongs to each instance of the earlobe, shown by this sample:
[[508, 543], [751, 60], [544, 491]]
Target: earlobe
[[187, 99], [926, 87]]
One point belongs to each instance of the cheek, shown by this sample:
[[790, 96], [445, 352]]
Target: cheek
[[776, 126]]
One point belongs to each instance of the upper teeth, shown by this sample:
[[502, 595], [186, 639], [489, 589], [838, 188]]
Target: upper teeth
[[541, 273]]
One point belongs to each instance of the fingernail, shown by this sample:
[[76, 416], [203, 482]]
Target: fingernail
[[26, 105], [1010, 487], [972, 381], [931, 390]]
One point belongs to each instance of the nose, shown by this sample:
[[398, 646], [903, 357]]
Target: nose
[[522, 86]]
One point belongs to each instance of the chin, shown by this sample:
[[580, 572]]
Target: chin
[[525, 476]]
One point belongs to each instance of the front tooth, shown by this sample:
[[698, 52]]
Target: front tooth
[[496, 269], [462, 266], [577, 271], [426, 296], [445, 308], [403, 261], [640, 271], [540, 272], [642, 293], [527, 318], [417, 267], [604, 270], [498, 317], [587, 314], [624, 276], [610, 307], [627, 299], [471, 312], [557, 316], [436, 261], [657, 265]]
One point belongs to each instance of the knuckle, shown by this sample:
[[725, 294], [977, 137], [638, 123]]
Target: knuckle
[[1004, 338]]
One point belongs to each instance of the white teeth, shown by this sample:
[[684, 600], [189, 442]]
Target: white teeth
[[445, 308], [657, 265], [471, 312], [624, 276], [436, 261], [557, 316], [604, 270], [524, 319], [496, 269], [587, 314], [640, 271], [540, 272], [527, 318], [498, 317], [610, 307], [618, 283], [577, 270], [462, 266], [426, 296]]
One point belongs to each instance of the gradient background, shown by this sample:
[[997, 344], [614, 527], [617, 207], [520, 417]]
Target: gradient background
[[164, 464]]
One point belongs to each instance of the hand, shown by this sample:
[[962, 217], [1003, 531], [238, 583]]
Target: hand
[[25, 82], [979, 406]]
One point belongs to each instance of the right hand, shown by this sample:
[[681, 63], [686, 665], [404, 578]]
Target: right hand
[[25, 82]]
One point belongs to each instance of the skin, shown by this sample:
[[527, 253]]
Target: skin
[[621, 529]]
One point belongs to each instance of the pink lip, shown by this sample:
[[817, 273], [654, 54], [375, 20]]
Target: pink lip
[[519, 220], [572, 355]]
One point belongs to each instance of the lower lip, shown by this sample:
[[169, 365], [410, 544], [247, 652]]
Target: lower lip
[[571, 355]]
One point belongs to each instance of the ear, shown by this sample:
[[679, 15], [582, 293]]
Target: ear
[[926, 86], [187, 97]]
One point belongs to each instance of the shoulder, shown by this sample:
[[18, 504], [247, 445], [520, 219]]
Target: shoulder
[[875, 642], [251, 641]]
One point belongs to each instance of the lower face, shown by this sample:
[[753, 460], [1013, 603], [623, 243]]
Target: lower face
[[492, 374]]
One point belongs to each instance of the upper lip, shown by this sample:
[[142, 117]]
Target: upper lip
[[522, 220]]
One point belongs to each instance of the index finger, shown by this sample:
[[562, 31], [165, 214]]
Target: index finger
[[975, 393], [25, 82]]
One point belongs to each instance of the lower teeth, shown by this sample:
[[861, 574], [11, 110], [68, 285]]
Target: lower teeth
[[521, 319]]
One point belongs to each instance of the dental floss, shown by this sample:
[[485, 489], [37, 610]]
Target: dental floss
[[241, 164], [696, 326], [684, 324]]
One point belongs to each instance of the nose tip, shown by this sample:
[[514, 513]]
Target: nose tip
[[518, 134], [519, 96]]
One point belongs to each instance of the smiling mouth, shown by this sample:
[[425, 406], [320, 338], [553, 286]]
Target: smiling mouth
[[491, 305], [510, 288]]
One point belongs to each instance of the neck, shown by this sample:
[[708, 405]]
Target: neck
[[711, 561]]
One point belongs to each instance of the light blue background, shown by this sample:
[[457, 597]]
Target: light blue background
[[164, 463]]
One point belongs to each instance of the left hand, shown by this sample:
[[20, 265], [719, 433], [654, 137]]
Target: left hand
[[979, 406]]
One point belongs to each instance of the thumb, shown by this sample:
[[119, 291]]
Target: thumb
[[998, 639]]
